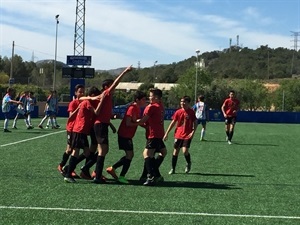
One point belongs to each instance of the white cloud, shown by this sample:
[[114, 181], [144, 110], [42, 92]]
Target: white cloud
[[119, 33]]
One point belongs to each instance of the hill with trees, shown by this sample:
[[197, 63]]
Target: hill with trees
[[242, 69]]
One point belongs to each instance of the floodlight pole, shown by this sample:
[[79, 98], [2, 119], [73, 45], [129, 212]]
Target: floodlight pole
[[55, 57], [196, 78]]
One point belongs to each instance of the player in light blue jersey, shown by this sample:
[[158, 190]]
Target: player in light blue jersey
[[21, 111], [53, 103], [7, 101], [30, 103], [50, 110], [202, 115]]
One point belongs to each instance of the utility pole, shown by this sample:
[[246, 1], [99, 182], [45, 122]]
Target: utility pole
[[12, 64], [295, 35]]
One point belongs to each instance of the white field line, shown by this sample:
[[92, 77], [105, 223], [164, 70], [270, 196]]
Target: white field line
[[152, 212], [30, 139]]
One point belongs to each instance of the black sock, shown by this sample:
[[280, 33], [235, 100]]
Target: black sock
[[119, 163], [149, 166], [72, 166], [227, 134], [81, 158], [64, 159], [126, 166], [144, 174], [157, 162], [91, 162], [188, 158], [230, 135], [99, 167], [174, 161]]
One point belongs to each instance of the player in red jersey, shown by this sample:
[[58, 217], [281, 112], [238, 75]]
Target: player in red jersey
[[102, 122], [126, 132], [83, 124], [186, 124], [73, 108], [230, 108], [153, 120]]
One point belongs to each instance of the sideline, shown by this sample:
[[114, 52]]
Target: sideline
[[153, 212], [30, 139]]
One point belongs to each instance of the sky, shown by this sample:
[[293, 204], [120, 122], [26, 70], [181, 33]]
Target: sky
[[119, 33]]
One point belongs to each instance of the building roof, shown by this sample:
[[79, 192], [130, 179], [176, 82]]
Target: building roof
[[135, 86]]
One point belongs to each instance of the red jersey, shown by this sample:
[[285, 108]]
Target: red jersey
[[73, 105], [106, 109], [155, 123], [133, 111], [85, 118], [231, 105], [185, 119]]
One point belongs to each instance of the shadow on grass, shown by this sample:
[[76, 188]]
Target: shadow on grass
[[221, 174], [181, 184], [254, 144]]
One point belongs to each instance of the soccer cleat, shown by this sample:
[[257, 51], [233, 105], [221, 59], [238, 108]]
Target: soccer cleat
[[57, 126], [159, 179], [112, 172], [29, 127], [149, 182], [202, 139], [40, 126], [142, 179], [14, 127], [85, 174], [123, 180], [99, 181], [229, 142], [47, 127], [172, 171], [188, 168], [69, 180], [94, 176], [6, 131], [54, 127]]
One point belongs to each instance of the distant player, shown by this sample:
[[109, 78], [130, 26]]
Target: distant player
[[230, 108], [22, 111], [30, 103], [202, 115], [6, 106], [186, 124], [51, 108]]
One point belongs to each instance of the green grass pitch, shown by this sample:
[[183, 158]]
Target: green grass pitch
[[253, 181]]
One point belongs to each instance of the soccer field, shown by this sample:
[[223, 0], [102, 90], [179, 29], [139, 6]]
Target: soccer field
[[253, 181]]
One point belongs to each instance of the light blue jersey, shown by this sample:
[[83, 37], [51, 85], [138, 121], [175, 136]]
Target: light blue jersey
[[200, 109], [6, 105]]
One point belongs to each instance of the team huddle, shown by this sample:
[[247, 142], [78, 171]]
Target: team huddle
[[90, 116]]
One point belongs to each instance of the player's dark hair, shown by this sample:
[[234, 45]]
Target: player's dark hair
[[156, 92], [78, 86], [201, 97], [139, 95], [93, 91], [232, 91], [186, 98], [107, 83]]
